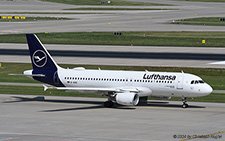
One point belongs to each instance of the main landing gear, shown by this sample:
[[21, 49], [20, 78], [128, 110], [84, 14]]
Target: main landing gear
[[185, 105], [108, 104]]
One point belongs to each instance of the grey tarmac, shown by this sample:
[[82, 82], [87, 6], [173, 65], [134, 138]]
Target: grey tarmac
[[161, 61], [25, 118], [74, 118], [118, 20]]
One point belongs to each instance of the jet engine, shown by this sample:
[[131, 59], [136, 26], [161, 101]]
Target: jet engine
[[127, 98]]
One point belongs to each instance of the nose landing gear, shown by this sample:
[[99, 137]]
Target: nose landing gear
[[185, 105]]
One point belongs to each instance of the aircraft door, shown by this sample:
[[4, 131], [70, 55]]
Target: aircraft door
[[180, 82], [131, 81], [128, 82]]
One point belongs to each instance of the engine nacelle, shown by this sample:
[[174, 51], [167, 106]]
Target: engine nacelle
[[127, 98]]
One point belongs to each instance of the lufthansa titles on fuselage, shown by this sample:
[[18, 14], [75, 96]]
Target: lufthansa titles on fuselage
[[159, 77]]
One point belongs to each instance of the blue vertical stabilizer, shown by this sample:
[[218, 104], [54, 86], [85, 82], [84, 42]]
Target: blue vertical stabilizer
[[42, 62]]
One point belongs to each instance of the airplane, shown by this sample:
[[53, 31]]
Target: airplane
[[122, 87]]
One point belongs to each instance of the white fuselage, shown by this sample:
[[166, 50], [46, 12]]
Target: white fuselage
[[166, 84]]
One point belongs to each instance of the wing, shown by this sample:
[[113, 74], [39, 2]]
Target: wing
[[93, 89]]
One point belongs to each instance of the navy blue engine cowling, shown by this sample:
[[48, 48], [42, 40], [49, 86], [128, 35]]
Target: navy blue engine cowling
[[42, 62]]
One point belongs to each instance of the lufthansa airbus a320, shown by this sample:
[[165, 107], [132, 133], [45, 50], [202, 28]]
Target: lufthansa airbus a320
[[122, 87]]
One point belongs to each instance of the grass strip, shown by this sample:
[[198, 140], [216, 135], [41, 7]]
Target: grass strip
[[28, 90], [187, 39], [219, 98], [213, 76], [214, 21], [99, 2]]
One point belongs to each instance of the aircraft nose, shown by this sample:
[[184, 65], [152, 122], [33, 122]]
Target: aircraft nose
[[206, 90]]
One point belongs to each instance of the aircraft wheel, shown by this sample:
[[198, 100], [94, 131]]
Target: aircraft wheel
[[185, 105], [108, 104]]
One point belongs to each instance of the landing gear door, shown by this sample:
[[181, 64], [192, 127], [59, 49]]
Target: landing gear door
[[180, 82]]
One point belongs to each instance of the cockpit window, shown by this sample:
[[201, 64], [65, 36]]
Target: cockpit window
[[197, 82]]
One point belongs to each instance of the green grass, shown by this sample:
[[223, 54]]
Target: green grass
[[214, 21], [9, 68], [214, 77], [220, 98], [189, 39], [28, 90], [33, 19], [98, 2]]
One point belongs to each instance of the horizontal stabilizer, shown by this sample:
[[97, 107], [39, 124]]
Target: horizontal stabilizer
[[36, 75]]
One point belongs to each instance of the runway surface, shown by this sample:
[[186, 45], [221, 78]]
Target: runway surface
[[121, 55], [26, 118], [110, 20], [107, 54], [117, 20], [74, 119]]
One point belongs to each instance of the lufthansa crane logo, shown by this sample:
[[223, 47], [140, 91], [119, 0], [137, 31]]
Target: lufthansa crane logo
[[39, 58]]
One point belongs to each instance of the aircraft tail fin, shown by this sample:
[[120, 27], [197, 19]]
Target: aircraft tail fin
[[40, 57], [42, 62]]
